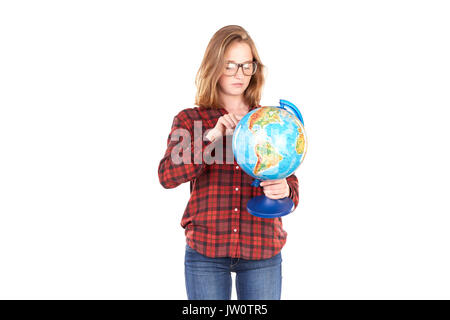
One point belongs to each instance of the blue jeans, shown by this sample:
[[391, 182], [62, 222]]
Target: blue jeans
[[210, 278]]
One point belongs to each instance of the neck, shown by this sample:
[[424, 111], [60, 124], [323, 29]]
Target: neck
[[235, 104]]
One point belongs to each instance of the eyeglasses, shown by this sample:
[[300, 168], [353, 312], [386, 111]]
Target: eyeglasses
[[249, 68]]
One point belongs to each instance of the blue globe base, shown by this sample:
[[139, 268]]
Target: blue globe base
[[264, 207]]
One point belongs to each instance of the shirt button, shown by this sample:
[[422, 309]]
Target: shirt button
[[235, 230], [237, 189], [237, 167], [235, 209]]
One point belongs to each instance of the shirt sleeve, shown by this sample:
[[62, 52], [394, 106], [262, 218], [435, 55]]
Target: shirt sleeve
[[171, 174], [292, 181]]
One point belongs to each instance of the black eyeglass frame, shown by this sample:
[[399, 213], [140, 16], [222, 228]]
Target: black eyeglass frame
[[242, 65]]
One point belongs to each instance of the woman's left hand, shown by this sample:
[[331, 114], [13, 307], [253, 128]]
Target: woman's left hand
[[275, 189]]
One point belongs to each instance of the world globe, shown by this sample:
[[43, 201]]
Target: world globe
[[270, 143]]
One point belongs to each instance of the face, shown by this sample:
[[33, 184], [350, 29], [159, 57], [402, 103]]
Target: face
[[239, 53]]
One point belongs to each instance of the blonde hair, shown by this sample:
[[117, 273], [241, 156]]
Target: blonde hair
[[212, 66]]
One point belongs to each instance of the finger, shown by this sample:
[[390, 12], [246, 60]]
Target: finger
[[274, 188], [226, 122], [232, 118], [282, 191], [235, 118], [274, 196], [282, 194], [274, 181], [270, 182], [229, 132]]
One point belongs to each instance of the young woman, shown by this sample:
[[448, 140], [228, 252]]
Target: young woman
[[221, 236]]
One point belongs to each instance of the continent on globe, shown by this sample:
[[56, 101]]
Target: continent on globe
[[300, 142], [263, 117], [267, 157]]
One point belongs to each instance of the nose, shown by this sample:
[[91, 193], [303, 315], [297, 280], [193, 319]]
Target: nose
[[240, 72]]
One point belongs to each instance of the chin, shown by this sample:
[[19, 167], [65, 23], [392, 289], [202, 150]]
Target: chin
[[241, 89]]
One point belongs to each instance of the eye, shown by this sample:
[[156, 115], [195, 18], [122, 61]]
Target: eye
[[230, 65]]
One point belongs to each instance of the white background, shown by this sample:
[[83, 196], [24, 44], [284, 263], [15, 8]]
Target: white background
[[88, 92]]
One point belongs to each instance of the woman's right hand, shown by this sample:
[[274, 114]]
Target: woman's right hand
[[225, 126]]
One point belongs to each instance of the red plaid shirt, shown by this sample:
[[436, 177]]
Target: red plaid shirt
[[216, 220]]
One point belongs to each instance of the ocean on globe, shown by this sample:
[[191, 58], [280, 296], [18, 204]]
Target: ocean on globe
[[269, 143]]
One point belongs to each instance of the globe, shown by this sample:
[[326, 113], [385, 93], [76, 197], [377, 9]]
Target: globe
[[270, 143]]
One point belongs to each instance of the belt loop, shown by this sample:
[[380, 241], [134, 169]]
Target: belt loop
[[233, 265]]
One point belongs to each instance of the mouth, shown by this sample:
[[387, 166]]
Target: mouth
[[237, 84]]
